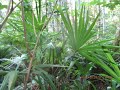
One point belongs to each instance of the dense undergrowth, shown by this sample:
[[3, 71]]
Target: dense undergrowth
[[33, 58]]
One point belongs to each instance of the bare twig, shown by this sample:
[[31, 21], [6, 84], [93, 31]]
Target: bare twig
[[35, 47], [25, 33], [8, 14], [8, 9], [27, 45]]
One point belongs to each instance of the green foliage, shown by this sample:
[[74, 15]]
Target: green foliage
[[9, 80], [58, 62], [5, 52], [80, 33], [44, 79], [79, 38], [112, 4], [2, 6]]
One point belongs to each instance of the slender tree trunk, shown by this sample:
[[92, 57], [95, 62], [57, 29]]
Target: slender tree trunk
[[79, 1], [103, 19], [99, 24]]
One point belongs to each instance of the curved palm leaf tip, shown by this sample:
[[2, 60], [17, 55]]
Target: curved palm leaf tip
[[80, 33]]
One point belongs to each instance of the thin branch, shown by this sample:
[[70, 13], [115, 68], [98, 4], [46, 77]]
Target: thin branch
[[35, 47], [8, 9], [27, 45], [25, 33], [12, 6], [9, 13]]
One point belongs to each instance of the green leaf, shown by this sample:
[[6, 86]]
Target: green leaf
[[5, 82], [9, 79], [48, 66], [113, 64], [99, 62], [47, 78], [71, 64], [12, 79]]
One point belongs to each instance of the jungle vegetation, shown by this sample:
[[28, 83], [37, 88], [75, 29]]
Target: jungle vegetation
[[59, 45]]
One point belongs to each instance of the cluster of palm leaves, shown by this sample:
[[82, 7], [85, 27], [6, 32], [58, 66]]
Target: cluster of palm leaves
[[57, 64]]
